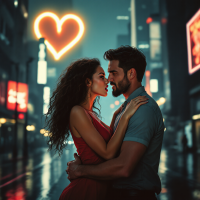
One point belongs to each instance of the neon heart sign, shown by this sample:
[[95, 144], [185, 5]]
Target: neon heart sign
[[69, 18]]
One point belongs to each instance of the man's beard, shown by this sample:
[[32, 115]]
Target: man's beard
[[122, 88]]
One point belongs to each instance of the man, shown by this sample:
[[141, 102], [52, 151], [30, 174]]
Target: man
[[134, 171]]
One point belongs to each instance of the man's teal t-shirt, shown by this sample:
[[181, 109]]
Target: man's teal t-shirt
[[146, 127]]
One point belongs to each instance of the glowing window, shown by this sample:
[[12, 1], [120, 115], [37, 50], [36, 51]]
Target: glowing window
[[154, 85]]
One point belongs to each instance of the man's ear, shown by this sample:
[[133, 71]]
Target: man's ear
[[131, 74], [88, 82]]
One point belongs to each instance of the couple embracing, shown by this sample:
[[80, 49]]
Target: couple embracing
[[119, 161]]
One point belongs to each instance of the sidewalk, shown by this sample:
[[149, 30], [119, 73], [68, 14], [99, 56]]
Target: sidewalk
[[180, 175]]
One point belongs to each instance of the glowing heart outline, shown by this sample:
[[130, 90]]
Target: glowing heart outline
[[59, 23]]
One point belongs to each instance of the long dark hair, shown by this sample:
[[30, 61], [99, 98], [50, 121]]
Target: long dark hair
[[71, 90]]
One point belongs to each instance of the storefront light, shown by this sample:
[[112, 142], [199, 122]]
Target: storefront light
[[195, 117], [12, 121], [161, 101], [30, 128], [45, 133], [42, 131], [2, 120]]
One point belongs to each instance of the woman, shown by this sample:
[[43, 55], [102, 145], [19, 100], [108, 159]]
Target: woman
[[71, 109]]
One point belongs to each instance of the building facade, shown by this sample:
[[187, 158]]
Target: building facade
[[19, 118], [162, 35]]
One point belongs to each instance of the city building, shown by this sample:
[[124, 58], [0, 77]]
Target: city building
[[172, 76], [18, 100]]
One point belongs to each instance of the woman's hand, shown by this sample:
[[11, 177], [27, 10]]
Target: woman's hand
[[133, 105]]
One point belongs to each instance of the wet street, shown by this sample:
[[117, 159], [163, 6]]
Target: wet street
[[43, 176], [180, 175]]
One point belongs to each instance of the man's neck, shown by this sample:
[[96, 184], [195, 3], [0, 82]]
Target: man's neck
[[132, 88]]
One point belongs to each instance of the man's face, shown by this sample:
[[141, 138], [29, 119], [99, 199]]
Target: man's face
[[117, 78]]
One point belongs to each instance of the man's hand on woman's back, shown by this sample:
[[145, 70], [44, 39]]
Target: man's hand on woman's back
[[72, 169]]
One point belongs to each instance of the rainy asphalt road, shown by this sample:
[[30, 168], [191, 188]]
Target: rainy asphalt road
[[43, 176]]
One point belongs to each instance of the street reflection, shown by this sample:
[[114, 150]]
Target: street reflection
[[45, 175], [29, 179], [177, 172], [17, 194]]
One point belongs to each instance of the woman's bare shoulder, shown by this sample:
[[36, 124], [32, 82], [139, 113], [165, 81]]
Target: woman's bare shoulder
[[78, 112]]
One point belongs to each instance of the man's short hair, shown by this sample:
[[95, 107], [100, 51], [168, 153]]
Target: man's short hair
[[129, 57]]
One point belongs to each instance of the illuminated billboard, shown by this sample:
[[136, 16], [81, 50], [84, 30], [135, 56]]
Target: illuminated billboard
[[60, 34], [193, 43], [20, 96]]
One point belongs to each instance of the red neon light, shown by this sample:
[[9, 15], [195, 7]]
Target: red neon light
[[60, 34], [149, 20], [21, 96], [21, 116], [193, 43], [147, 88], [164, 20]]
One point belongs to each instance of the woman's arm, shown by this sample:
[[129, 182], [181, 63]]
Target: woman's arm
[[81, 122]]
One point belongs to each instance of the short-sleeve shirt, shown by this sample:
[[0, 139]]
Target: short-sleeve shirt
[[146, 127]]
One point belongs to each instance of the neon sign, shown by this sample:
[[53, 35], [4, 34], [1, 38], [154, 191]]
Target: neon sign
[[66, 36], [21, 96], [193, 43]]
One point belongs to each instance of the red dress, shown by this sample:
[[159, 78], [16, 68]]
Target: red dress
[[85, 188]]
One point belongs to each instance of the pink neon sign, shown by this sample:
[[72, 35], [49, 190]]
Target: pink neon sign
[[20, 97], [193, 43]]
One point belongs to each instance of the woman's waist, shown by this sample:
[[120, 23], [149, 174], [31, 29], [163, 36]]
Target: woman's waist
[[95, 160], [89, 157], [91, 182]]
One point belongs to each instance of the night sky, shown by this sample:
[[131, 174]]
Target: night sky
[[101, 31]]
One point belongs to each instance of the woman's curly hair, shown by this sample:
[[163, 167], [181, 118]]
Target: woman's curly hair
[[71, 90]]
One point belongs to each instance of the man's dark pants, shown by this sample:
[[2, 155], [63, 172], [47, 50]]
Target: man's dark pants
[[124, 194]]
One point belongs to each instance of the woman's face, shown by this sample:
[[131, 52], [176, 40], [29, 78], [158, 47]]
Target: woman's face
[[99, 82]]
